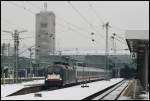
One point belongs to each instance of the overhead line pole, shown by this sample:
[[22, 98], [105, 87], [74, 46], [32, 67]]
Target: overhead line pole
[[31, 69], [106, 51], [114, 49], [15, 36], [2, 62]]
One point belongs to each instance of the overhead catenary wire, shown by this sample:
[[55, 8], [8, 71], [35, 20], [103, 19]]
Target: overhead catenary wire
[[100, 19], [85, 19], [94, 11], [59, 17], [75, 26], [122, 38], [33, 12], [19, 38], [121, 41], [71, 25], [79, 28], [22, 7], [33, 5], [76, 30], [40, 8], [10, 23], [121, 29], [25, 50]]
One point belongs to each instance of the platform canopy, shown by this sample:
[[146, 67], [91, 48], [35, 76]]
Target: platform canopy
[[137, 40], [138, 43]]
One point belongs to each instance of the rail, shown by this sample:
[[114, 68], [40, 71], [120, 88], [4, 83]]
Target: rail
[[105, 93]]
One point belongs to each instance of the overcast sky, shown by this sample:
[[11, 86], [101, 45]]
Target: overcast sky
[[72, 31]]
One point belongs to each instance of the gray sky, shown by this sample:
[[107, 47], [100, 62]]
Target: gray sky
[[122, 15]]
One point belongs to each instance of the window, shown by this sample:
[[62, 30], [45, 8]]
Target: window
[[43, 25], [54, 23], [54, 69]]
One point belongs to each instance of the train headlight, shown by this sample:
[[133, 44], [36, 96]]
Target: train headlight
[[54, 76]]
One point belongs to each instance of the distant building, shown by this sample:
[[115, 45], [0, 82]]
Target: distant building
[[45, 34], [7, 59], [8, 49]]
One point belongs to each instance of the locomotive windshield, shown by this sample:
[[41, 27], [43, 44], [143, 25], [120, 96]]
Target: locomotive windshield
[[54, 69]]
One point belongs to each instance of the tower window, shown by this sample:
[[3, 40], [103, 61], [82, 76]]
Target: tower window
[[46, 33], [54, 23], [43, 25]]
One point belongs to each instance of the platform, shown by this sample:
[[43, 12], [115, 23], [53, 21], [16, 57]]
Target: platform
[[7, 89], [75, 92]]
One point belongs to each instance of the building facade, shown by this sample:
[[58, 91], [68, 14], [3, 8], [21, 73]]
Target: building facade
[[45, 34]]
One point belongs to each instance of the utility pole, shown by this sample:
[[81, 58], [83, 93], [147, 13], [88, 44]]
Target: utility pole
[[2, 61], [16, 45], [15, 36], [30, 61], [114, 49], [106, 51], [114, 44]]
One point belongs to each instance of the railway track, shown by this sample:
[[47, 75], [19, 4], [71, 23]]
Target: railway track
[[105, 94], [111, 93]]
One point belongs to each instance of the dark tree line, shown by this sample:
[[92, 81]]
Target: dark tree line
[[127, 72]]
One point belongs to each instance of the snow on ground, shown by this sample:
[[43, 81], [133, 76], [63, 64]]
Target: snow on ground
[[7, 89], [125, 98], [75, 92], [34, 82], [145, 96]]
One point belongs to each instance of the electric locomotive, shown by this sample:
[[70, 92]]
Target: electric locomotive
[[63, 74]]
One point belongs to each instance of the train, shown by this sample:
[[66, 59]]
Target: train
[[62, 74]]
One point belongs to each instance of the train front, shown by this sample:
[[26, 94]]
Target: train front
[[54, 76]]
